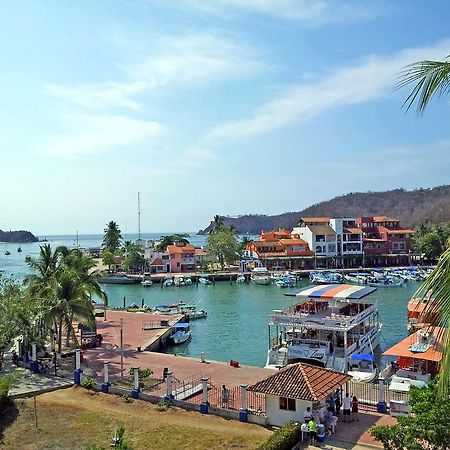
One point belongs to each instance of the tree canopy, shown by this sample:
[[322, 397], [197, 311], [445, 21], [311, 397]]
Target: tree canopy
[[112, 238], [224, 245]]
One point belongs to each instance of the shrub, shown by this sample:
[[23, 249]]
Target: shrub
[[88, 382], [143, 373], [127, 399], [5, 385], [163, 406], [284, 438]]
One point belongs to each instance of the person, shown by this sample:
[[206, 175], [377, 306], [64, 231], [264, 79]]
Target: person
[[337, 400], [355, 409], [328, 421], [225, 395], [312, 425], [307, 415], [347, 406], [15, 357], [331, 404]]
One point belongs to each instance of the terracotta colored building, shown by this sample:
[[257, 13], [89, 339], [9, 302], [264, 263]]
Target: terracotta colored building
[[278, 249], [182, 258]]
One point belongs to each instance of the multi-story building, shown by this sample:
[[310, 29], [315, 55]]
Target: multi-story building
[[279, 249], [385, 241], [182, 258]]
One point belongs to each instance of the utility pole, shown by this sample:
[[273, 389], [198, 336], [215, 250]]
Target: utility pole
[[121, 348], [139, 215]]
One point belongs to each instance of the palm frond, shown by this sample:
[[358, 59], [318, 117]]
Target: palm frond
[[430, 77]]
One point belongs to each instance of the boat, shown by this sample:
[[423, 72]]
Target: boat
[[116, 279], [416, 318], [384, 282], [7, 253], [182, 333], [19, 250], [362, 367], [179, 281], [191, 312], [188, 281], [260, 275], [356, 278], [286, 282], [204, 279], [326, 278], [168, 281], [417, 359], [326, 327], [146, 283], [240, 278]]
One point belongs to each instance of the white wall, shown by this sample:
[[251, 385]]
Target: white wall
[[279, 417]]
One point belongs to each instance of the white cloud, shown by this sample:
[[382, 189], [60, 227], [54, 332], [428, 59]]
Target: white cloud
[[308, 11], [89, 134], [371, 79], [183, 60]]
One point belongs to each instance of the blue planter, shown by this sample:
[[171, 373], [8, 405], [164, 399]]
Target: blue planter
[[77, 376], [105, 387], [382, 407], [204, 407], [243, 415], [135, 393]]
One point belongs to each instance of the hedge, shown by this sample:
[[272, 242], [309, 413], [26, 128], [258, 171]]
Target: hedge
[[4, 389], [284, 438]]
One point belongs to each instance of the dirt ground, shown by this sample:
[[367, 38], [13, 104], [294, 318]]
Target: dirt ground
[[74, 418]]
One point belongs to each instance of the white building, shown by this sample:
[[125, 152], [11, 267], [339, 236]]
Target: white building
[[296, 387], [158, 262], [330, 237]]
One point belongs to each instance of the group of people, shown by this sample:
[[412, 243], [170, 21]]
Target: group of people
[[325, 414]]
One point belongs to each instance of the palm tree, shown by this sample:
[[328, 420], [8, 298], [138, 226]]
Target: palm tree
[[112, 238], [430, 77], [181, 238]]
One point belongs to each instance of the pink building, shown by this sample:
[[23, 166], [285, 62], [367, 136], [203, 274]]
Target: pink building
[[182, 258]]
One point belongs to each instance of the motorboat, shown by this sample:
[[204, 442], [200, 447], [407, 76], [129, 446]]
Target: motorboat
[[326, 278], [418, 358], [19, 250], [286, 282], [240, 278], [146, 283], [191, 312], [187, 281], [362, 367], [179, 281], [260, 275], [182, 333], [326, 327], [356, 277], [116, 279], [168, 281], [384, 282], [204, 279]]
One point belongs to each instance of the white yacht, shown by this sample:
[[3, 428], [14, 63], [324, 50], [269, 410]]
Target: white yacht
[[260, 275], [362, 367], [326, 327], [182, 333]]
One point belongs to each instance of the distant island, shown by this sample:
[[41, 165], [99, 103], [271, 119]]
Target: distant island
[[431, 206], [18, 237]]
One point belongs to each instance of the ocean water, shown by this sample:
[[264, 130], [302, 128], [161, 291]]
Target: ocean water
[[237, 323]]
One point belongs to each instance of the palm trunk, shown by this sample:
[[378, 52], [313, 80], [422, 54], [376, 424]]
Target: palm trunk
[[60, 334]]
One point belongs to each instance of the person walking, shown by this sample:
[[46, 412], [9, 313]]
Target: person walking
[[225, 396], [347, 407], [337, 401], [355, 416]]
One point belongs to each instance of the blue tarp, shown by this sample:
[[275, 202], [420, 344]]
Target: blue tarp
[[180, 325], [362, 357]]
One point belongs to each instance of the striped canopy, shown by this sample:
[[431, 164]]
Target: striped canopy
[[334, 291]]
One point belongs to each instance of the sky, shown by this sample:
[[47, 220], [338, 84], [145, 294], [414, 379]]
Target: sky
[[210, 107]]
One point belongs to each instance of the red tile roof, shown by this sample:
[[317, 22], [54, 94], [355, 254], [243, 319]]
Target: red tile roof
[[315, 219], [181, 249], [157, 262], [353, 230], [302, 382], [384, 219]]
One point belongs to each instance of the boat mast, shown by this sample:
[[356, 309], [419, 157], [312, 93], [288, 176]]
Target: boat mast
[[139, 215]]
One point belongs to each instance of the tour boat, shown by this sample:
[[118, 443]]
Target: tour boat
[[416, 317], [260, 275], [182, 333], [326, 327], [417, 359], [362, 367], [146, 283]]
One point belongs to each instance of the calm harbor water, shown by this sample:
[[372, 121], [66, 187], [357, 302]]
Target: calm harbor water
[[236, 326]]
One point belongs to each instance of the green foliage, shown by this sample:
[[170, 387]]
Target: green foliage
[[224, 245], [118, 442], [143, 373], [431, 243], [427, 427], [88, 382], [5, 385], [126, 398], [94, 447], [163, 406], [179, 239], [108, 258], [284, 438], [134, 258], [112, 238]]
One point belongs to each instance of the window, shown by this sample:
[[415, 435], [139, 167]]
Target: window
[[288, 404], [331, 248], [318, 249], [320, 238], [401, 246], [178, 264]]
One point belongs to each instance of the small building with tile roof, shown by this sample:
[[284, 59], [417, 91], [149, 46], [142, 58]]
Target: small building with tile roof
[[296, 387]]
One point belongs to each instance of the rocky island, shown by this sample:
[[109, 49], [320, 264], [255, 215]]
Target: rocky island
[[19, 237]]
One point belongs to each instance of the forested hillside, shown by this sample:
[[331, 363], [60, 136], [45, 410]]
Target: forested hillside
[[411, 207]]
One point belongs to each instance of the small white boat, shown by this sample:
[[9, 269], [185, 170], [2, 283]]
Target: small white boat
[[260, 275], [146, 283], [168, 281], [362, 367], [204, 279], [240, 278], [182, 333], [192, 313]]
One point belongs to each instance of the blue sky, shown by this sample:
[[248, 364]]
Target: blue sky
[[209, 107]]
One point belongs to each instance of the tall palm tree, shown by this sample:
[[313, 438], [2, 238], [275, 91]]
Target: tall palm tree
[[112, 238], [431, 78]]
